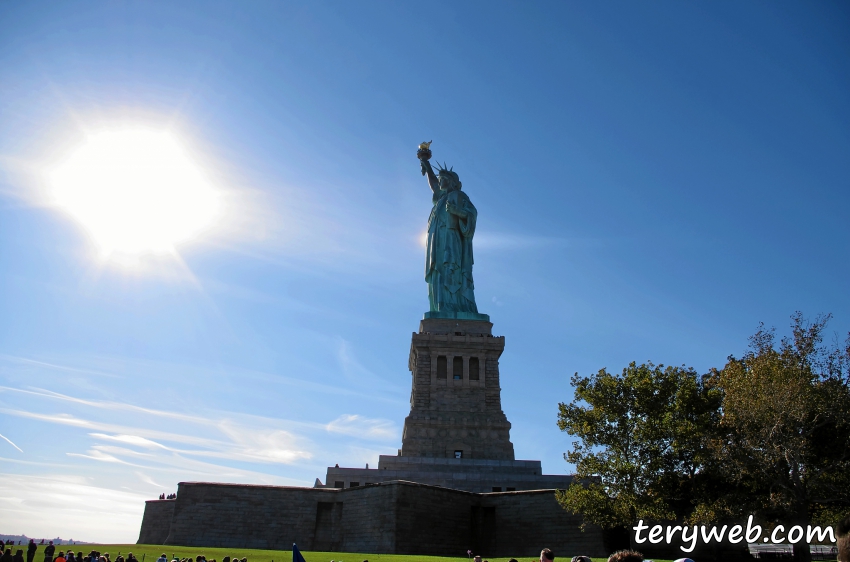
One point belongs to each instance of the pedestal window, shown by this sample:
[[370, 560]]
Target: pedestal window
[[474, 369], [442, 367]]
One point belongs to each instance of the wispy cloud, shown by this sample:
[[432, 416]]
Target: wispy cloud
[[145, 448], [100, 456], [10, 443], [54, 366], [107, 404], [148, 480], [264, 444], [312, 385], [347, 362], [357, 373], [34, 463], [351, 367], [268, 445], [131, 440], [78, 508], [177, 465], [255, 438], [359, 426]]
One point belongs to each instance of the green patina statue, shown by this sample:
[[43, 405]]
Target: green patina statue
[[448, 248]]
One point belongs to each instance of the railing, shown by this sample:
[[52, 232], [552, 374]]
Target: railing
[[786, 551]]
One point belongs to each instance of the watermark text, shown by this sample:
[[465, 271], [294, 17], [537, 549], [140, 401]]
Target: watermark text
[[690, 535]]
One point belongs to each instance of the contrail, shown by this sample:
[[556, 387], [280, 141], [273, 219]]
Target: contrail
[[10, 443]]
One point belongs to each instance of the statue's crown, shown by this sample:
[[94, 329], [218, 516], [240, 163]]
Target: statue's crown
[[442, 169]]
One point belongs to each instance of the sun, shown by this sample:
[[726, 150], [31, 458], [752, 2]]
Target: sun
[[136, 191]]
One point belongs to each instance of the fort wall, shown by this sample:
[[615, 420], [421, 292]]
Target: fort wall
[[525, 522], [388, 518], [156, 523], [245, 516]]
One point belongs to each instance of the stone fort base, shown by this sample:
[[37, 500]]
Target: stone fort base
[[395, 517]]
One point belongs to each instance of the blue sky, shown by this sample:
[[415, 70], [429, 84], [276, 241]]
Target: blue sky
[[652, 179]]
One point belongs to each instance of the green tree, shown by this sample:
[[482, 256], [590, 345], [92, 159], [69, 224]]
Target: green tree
[[642, 443], [785, 428]]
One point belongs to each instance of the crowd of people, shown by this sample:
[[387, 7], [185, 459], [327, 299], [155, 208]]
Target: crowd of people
[[546, 555], [52, 555], [168, 497], [201, 558]]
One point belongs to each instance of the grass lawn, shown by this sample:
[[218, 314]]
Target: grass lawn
[[150, 553]]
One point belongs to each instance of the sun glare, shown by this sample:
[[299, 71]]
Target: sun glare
[[135, 191]]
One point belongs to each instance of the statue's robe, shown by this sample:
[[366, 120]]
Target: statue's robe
[[448, 254]]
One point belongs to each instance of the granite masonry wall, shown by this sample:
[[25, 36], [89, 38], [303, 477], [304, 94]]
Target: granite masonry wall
[[434, 520], [525, 522], [368, 519], [391, 517], [239, 515], [455, 398], [156, 522]]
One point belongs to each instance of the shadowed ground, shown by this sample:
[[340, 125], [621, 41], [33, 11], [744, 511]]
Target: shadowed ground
[[151, 552]]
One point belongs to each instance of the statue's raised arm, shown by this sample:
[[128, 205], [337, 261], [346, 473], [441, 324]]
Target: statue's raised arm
[[424, 154]]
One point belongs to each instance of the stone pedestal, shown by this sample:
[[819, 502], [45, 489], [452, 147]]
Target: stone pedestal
[[455, 401]]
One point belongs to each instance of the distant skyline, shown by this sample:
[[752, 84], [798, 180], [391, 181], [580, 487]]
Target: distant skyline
[[24, 538], [652, 181]]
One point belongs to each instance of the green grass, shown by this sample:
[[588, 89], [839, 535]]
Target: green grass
[[152, 552]]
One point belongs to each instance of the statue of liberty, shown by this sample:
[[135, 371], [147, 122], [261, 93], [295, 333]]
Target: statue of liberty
[[448, 248]]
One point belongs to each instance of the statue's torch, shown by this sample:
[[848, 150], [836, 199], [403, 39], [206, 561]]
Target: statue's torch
[[424, 154]]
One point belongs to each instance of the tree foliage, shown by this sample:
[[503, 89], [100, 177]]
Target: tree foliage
[[785, 432], [641, 436], [768, 434]]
